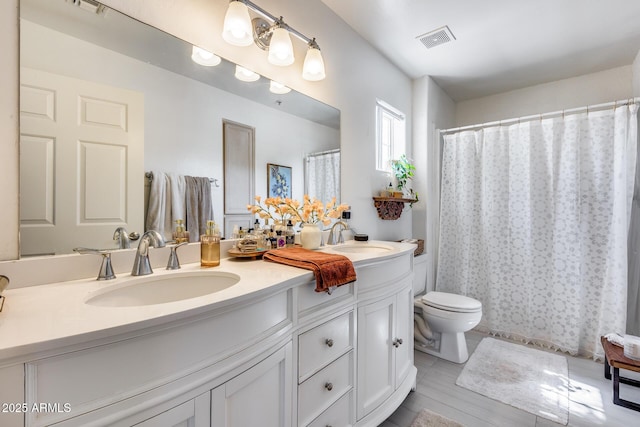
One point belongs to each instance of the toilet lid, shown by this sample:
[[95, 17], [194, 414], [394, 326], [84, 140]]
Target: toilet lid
[[452, 302]]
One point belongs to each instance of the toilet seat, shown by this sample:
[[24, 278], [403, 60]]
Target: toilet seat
[[451, 302]]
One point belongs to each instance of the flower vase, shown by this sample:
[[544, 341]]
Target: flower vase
[[310, 236]]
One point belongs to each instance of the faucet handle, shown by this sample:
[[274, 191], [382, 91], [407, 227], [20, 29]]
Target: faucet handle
[[106, 269], [174, 263]]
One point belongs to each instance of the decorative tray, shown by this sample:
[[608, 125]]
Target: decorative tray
[[234, 252]]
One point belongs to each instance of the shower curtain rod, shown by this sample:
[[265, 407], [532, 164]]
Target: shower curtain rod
[[588, 108], [322, 153]]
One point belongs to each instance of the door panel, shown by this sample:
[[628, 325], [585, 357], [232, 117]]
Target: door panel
[[260, 396], [239, 166], [81, 163], [376, 355]]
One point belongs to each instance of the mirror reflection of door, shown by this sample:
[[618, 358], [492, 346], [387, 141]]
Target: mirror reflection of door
[[239, 164], [81, 162]]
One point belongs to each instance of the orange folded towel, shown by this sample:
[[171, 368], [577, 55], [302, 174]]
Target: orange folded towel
[[329, 269]]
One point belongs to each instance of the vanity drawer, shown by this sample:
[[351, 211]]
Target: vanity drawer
[[309, 301], [340, 414], [320, 391], [322, 344]]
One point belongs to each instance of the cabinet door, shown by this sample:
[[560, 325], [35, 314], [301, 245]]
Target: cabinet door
[[260, 396], [376, 354], [404, 334], [193, 413]]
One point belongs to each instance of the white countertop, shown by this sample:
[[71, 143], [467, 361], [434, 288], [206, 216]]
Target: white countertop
[[37, 319]]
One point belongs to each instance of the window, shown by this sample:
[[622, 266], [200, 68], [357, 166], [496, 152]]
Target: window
[[390, 135]]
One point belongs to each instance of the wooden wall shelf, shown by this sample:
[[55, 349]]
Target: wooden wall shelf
[[390, 207]]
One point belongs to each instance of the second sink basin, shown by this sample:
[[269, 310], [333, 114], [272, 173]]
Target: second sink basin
[[160, 289]]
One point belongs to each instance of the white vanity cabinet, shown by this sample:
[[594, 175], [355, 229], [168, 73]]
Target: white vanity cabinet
[[385, 346], [282, 355]]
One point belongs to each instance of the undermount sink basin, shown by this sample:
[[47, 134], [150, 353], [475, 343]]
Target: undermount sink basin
[[362, 248], [149, 290]]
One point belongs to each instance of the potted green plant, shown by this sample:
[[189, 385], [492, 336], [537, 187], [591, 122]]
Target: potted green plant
[[403, 170]]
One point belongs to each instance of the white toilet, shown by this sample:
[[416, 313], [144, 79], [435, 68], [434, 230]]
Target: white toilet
[[448, 316]]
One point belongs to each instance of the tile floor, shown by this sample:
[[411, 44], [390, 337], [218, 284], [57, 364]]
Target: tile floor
[[590, 399]]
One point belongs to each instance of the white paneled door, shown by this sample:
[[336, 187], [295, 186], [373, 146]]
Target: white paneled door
[[239, 176], [81, 163]]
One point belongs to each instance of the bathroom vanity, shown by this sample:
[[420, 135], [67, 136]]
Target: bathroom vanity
[[264, 350]]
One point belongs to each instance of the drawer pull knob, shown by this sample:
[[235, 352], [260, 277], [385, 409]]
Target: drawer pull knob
[[397, 342], [329, 342], [328, 386]]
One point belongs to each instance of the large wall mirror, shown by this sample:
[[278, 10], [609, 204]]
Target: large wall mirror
[[104, 95]]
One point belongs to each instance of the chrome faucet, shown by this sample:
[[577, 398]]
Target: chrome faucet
[[121, 236], [332, 240], [141, 264]]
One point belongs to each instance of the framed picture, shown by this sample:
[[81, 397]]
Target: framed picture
[[278, 180]]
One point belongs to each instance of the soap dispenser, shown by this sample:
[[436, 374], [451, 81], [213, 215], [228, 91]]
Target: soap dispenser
[[180, 235], [210, 246]]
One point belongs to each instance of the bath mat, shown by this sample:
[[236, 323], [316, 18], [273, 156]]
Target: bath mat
[[532, 380], [427, 418]]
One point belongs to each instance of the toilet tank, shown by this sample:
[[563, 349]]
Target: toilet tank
[[419, 274]]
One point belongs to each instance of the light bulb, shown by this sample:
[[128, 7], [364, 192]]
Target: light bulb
[[237, 28], [280, 48], [204, 57]]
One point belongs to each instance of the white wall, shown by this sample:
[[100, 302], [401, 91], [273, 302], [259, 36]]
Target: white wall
[[605, 86], [183, 117], [433, 110], [9, 130], [636, 75], [357, 75]]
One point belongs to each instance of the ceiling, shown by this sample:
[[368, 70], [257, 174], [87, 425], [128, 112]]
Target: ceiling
[[499, 45]]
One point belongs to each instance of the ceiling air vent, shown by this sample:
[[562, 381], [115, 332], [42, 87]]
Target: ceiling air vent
[[437, 37]]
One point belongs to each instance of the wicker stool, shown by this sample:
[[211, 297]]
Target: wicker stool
[[614, 358]]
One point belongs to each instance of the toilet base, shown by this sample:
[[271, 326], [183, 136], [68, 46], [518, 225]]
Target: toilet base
[[450, 346]]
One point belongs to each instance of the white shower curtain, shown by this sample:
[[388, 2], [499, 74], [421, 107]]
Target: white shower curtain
[[534, 220], [323, 176]]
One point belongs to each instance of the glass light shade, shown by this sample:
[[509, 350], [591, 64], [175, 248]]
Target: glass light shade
[[237, 28], [313, 68], [280, 48], [278, 88], [246, 75], [204, 57]]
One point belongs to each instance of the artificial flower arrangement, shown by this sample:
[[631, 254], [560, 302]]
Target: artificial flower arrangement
[[310, 211]]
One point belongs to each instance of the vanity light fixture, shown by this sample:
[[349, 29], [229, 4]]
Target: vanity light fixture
[[246, 75], [279, 88], [274, 37], [204, 57]]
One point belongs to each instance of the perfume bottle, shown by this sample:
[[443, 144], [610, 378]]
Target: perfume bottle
[[290, 235], [210, 246]]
